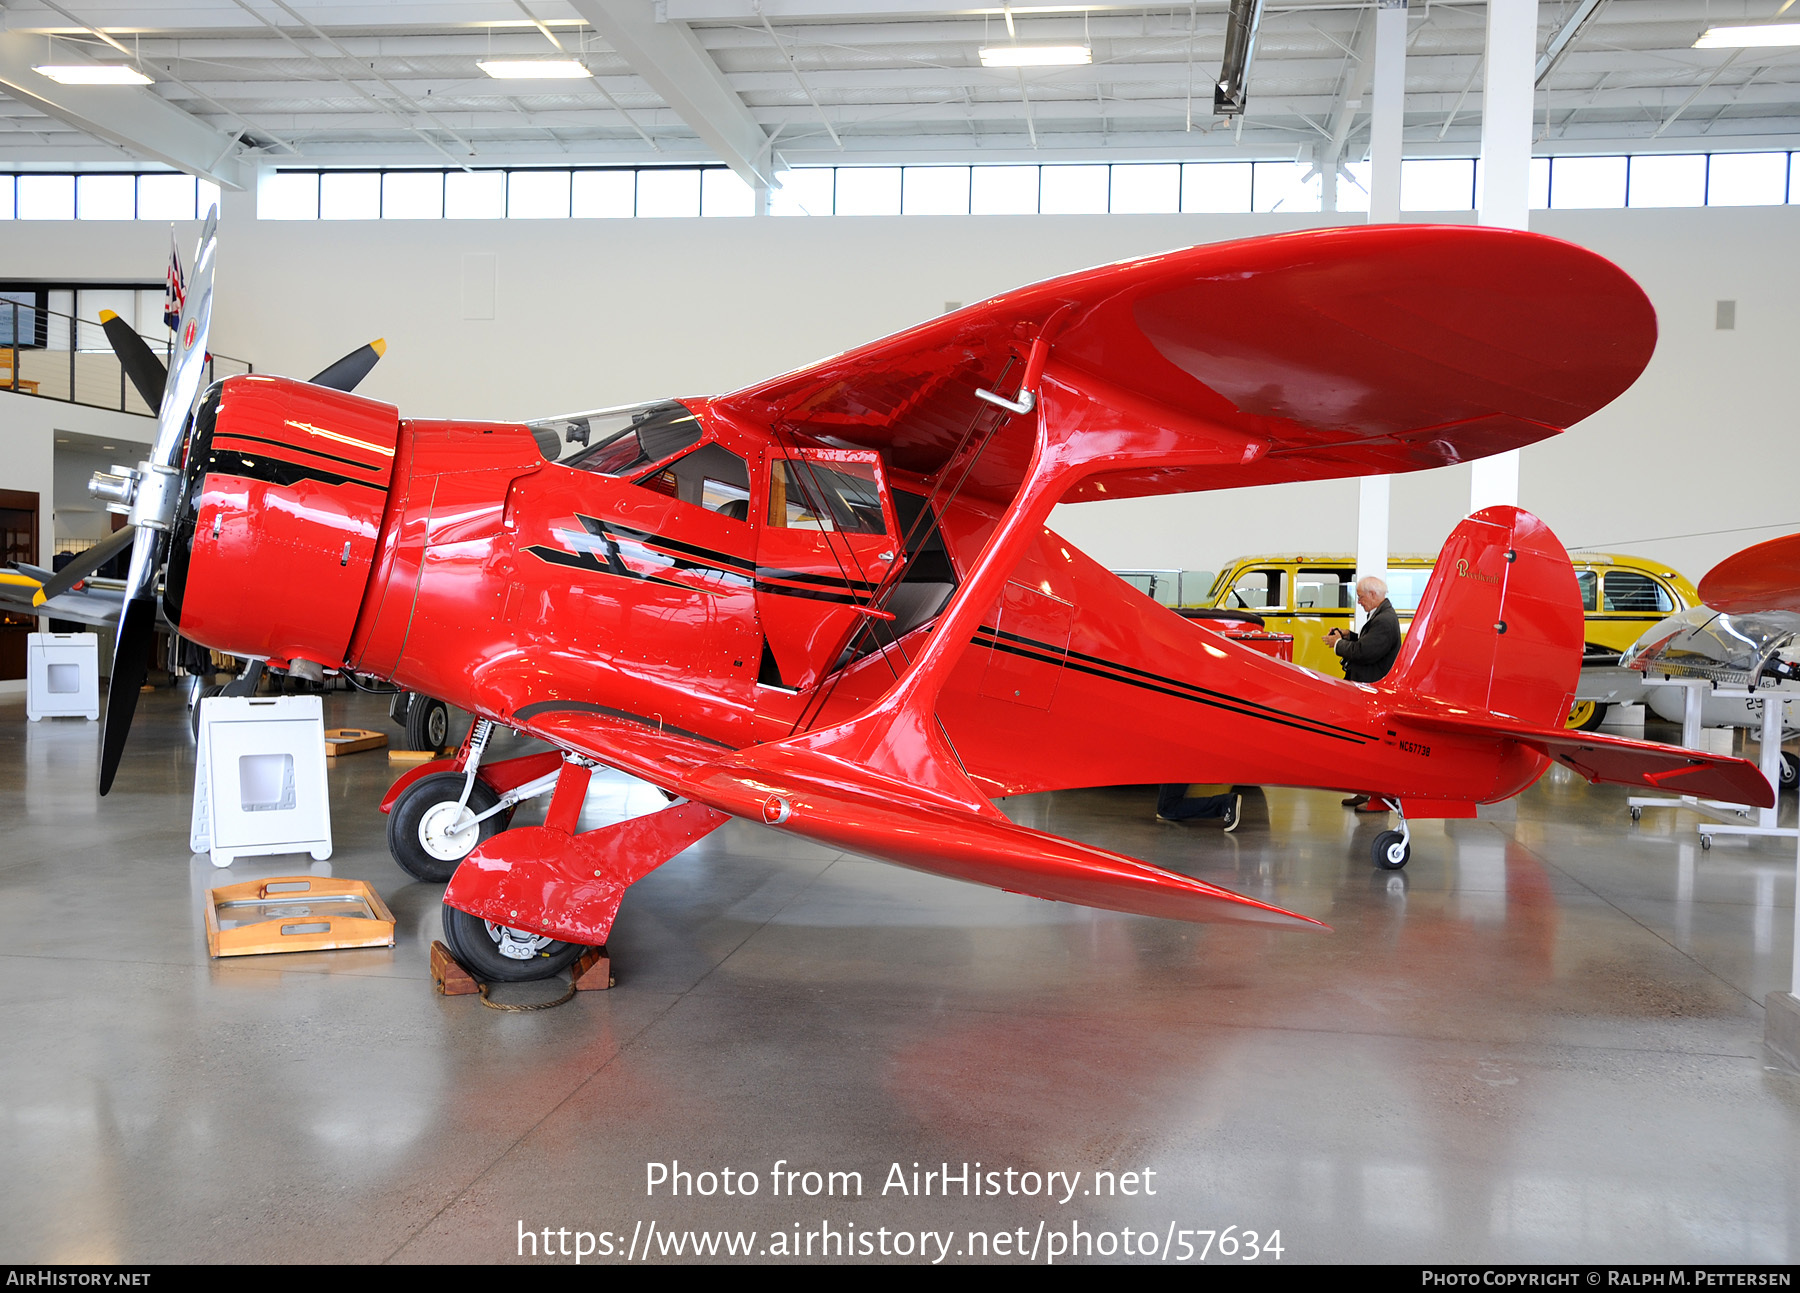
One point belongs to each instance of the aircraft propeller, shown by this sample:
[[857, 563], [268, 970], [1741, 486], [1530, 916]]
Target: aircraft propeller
[[153, 490]]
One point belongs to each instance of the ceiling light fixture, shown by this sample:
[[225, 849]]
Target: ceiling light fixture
[[533, 69], [92, 74], [1035, 55], [1760, 36]]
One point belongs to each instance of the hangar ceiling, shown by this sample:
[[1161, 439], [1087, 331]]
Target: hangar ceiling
[[766, 84]]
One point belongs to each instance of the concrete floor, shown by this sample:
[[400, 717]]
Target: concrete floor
[[1542, 1042]]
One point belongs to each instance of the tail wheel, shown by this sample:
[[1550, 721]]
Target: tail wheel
[[1390, 851], [430, 831], [1586, 715], [497, 954]]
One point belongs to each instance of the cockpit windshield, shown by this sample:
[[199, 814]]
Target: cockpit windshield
[[620, 440]]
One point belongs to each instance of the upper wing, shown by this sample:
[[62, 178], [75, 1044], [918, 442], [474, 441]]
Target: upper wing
[[1765, 577], [1345, 351]]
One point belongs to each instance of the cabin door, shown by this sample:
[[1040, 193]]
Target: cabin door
[[827, 538]]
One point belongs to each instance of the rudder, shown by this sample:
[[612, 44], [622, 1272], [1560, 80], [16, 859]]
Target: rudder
[[1499, 628]]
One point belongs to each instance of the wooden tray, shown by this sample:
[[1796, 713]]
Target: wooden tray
[[295, 913], [352, 740]]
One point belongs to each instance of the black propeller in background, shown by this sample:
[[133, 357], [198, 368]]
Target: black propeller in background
[[141, 364], [84, 564], [352, 368]]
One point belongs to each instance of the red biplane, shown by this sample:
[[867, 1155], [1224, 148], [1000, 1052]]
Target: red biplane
[[830, 603]]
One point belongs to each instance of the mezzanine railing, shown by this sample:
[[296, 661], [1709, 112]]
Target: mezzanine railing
[[59, 357]]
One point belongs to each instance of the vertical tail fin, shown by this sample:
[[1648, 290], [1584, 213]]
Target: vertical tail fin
[[1499, 628]]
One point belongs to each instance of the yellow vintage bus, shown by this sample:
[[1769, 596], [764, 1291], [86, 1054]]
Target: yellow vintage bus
[[1308, 595]]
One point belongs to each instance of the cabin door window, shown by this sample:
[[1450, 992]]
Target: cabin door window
[[826, 542]]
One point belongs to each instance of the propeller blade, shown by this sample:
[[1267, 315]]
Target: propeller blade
[[140, 363], [352, 368], [188, 366], [131, 663], [84, 565]]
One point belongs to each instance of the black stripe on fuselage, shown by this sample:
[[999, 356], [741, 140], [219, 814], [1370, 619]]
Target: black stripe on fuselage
[[691, 556], [298, 448], [712, 556], [532, 711], [589, 562], [1014, 644], [277, 471]]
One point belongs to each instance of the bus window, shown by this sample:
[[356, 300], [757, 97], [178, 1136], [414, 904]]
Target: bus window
[[1258, 590], [1405, 587], [1636, 594], [1325, 590]]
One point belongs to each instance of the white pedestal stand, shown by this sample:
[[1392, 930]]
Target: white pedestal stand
[[62, 676], [259, 784]]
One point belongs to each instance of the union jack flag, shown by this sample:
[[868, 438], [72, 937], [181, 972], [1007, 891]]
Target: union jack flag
[[174, 289]]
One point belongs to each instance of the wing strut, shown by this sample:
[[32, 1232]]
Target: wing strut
[[1084, 425]]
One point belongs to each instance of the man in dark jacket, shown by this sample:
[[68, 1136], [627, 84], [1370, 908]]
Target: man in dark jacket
[[1368, 655]]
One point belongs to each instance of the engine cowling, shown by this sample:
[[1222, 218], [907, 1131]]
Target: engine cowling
[[285, 489]]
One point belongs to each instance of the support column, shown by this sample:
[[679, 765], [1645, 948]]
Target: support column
[[1372, 531], [1781, 1010], [1387, 111], [1507, 97], [1387, 120]]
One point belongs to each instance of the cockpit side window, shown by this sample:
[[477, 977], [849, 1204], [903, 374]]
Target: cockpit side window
[[809, 495], [711, 477], [622, 440]]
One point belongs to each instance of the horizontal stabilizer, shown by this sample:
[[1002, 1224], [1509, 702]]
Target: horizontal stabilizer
[[843, 806], [1616, 759]]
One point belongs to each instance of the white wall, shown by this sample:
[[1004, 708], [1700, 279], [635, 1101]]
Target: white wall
[[590, 313]]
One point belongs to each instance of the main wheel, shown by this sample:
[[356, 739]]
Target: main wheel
[[427, 723], [497, 954], [1790, 770], [1390, 851], [429, 835], [1586, 715], [214, 689]]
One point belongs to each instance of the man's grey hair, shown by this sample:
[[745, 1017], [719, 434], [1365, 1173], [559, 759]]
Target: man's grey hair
[[1374, 583]]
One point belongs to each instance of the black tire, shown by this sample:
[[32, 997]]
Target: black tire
[[417, 832], [472, 943], [427, 723], [1790, 770], [1586, 715], [194, 713], [1390, 851]]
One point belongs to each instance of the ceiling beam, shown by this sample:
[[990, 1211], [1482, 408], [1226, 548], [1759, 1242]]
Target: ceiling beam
[[131, 117], [669, 57], [1564, 36]]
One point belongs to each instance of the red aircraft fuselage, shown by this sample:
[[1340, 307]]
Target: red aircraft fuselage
[[455, 560]]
